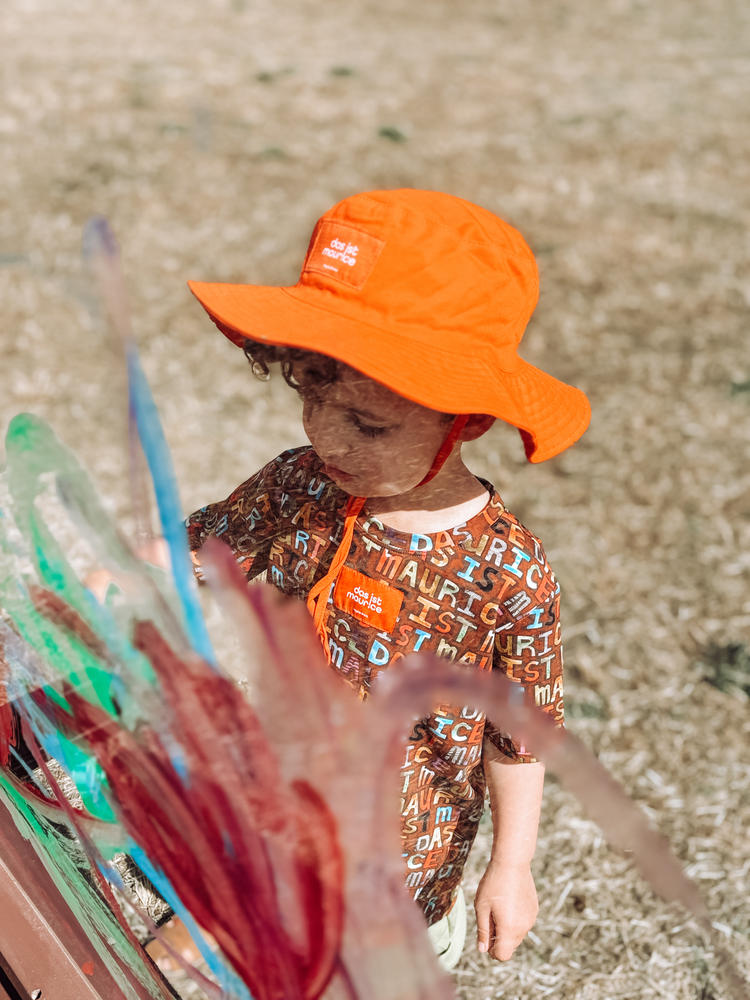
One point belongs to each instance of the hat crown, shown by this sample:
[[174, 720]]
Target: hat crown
[[428, 261], [464, 221]]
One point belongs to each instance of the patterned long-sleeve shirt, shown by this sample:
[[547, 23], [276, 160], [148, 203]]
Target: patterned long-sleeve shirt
[[481, 594]]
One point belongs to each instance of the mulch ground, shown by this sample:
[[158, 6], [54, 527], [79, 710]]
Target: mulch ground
[[615, 136]]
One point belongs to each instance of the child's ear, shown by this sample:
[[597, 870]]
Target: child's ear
[[477, 425]]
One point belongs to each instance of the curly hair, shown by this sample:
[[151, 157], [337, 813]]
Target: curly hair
[[325, 370], [321, 370]]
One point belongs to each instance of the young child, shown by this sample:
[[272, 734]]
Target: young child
[[401, 339]]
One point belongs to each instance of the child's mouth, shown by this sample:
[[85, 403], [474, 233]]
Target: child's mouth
[[335, 473]]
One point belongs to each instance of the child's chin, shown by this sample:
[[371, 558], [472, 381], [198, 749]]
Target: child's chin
[[341, 478]]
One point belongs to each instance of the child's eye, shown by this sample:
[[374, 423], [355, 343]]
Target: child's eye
[[369, 430]]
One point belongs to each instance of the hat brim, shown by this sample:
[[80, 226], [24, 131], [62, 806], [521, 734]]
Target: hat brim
[[550, 414]]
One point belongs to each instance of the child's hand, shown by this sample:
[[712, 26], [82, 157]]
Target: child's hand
[[506, 906]]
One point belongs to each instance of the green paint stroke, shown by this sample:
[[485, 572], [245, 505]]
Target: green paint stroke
[[34, 456], [117, 678]]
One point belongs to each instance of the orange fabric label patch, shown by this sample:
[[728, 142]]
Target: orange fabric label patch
[[343, 253], [373, 602]]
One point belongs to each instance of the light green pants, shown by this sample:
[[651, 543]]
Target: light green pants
[[448, 935]]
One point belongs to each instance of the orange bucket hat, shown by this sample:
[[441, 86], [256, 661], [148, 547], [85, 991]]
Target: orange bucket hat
[[423, 292]]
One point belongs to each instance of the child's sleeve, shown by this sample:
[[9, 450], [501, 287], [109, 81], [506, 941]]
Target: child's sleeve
[[528, 649], [248, 521]]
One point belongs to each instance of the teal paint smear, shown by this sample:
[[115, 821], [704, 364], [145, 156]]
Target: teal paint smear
[[61, 657], [80, 765], [35, 454], [33, 451]]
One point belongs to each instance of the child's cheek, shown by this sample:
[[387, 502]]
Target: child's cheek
[[385, 459]]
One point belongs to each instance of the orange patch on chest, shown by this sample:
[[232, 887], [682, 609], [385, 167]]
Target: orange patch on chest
[[373, 602]]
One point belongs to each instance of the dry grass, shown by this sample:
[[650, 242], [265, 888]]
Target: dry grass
[[615, 135]]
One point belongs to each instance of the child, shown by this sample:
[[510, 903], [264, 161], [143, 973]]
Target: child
[[400, 338]]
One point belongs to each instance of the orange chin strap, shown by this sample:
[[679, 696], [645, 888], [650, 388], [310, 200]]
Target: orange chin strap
[[317, 598], [446, 447]]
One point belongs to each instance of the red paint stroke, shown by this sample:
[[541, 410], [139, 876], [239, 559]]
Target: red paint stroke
[[8, 727], [54, 608], [256, 861], [8, 731]]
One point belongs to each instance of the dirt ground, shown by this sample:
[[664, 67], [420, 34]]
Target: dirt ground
[[616, 136]]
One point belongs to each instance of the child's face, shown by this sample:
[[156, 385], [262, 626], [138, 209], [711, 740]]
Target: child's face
[[373, 442]]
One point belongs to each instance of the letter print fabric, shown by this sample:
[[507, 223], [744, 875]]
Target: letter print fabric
[[481, 594]]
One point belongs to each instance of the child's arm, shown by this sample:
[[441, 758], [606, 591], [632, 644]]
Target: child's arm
[[506, 903]]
